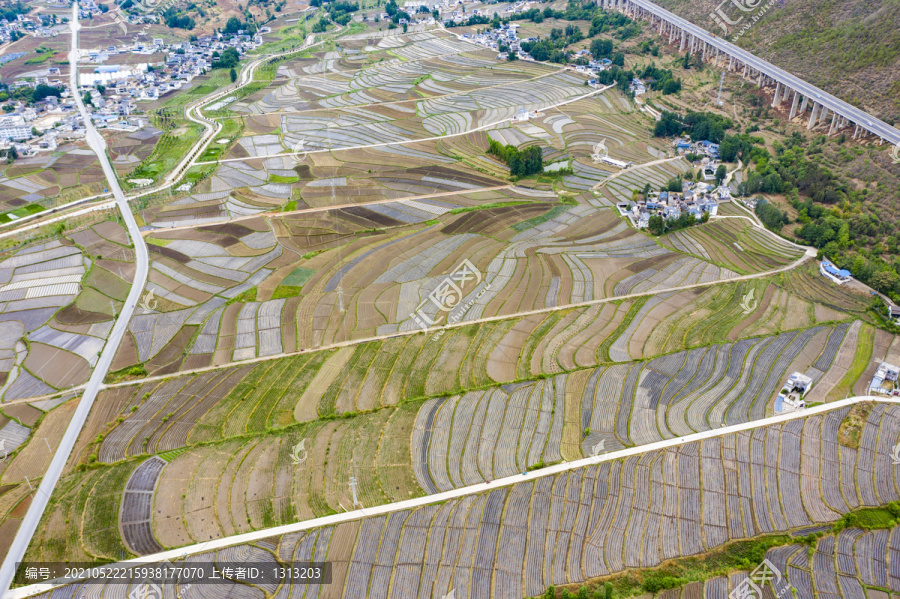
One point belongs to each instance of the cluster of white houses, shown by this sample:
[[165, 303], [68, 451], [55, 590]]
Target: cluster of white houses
[[885, 380], [695, 198]]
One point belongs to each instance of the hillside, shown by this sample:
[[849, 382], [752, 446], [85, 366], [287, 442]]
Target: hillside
[[850, 48]]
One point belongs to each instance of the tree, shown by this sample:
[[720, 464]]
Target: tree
[[656, 224], [618, 59], [233, 75], [721, 173], [229, 59], [233, 25], [601, 48]]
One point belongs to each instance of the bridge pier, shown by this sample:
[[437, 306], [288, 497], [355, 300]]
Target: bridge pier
[[775, 100], [812, 117], [794, 106]]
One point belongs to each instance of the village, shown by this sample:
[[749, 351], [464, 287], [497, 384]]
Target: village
[[40, 113], [699, 198]]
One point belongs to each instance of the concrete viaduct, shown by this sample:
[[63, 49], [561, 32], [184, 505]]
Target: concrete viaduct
[[826, 111]]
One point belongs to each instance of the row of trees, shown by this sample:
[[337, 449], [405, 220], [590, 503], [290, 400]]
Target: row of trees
[[522, 163], [699, 125], [175, 19], [771, 217], [658, 225]]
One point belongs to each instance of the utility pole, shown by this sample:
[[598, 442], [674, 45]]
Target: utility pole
[[48, 445]]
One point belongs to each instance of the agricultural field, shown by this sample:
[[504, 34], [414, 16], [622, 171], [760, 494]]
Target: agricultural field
[[34, 183], [365, 289], [221, 441], [249, 288], [59, 299], [681, 501]]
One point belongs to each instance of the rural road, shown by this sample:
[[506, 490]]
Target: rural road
[[409, 504], [634, 168], [48, 481]]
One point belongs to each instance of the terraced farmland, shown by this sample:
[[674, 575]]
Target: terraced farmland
[[274, 374], [573, 526], [735, 244], [56, 308], [229, 435], [368, 271]]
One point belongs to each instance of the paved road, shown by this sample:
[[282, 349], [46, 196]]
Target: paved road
[[408, 504], [635, 167], [864, 119], [49, 480]]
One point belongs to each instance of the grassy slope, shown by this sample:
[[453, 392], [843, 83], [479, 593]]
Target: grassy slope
[[849, 48]]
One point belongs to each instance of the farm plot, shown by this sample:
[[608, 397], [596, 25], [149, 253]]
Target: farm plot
[[759, 307], [482, 435], [243, 484], [844, 565], [429, 65], [128, 151], [734, 244], [681, 501], [479, 435], [137, 504], [370, 270], [31, 183], [375, 104], [61, 301], [240, 189]]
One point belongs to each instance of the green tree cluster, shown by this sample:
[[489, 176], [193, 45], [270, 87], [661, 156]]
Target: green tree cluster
[[522, 163]]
